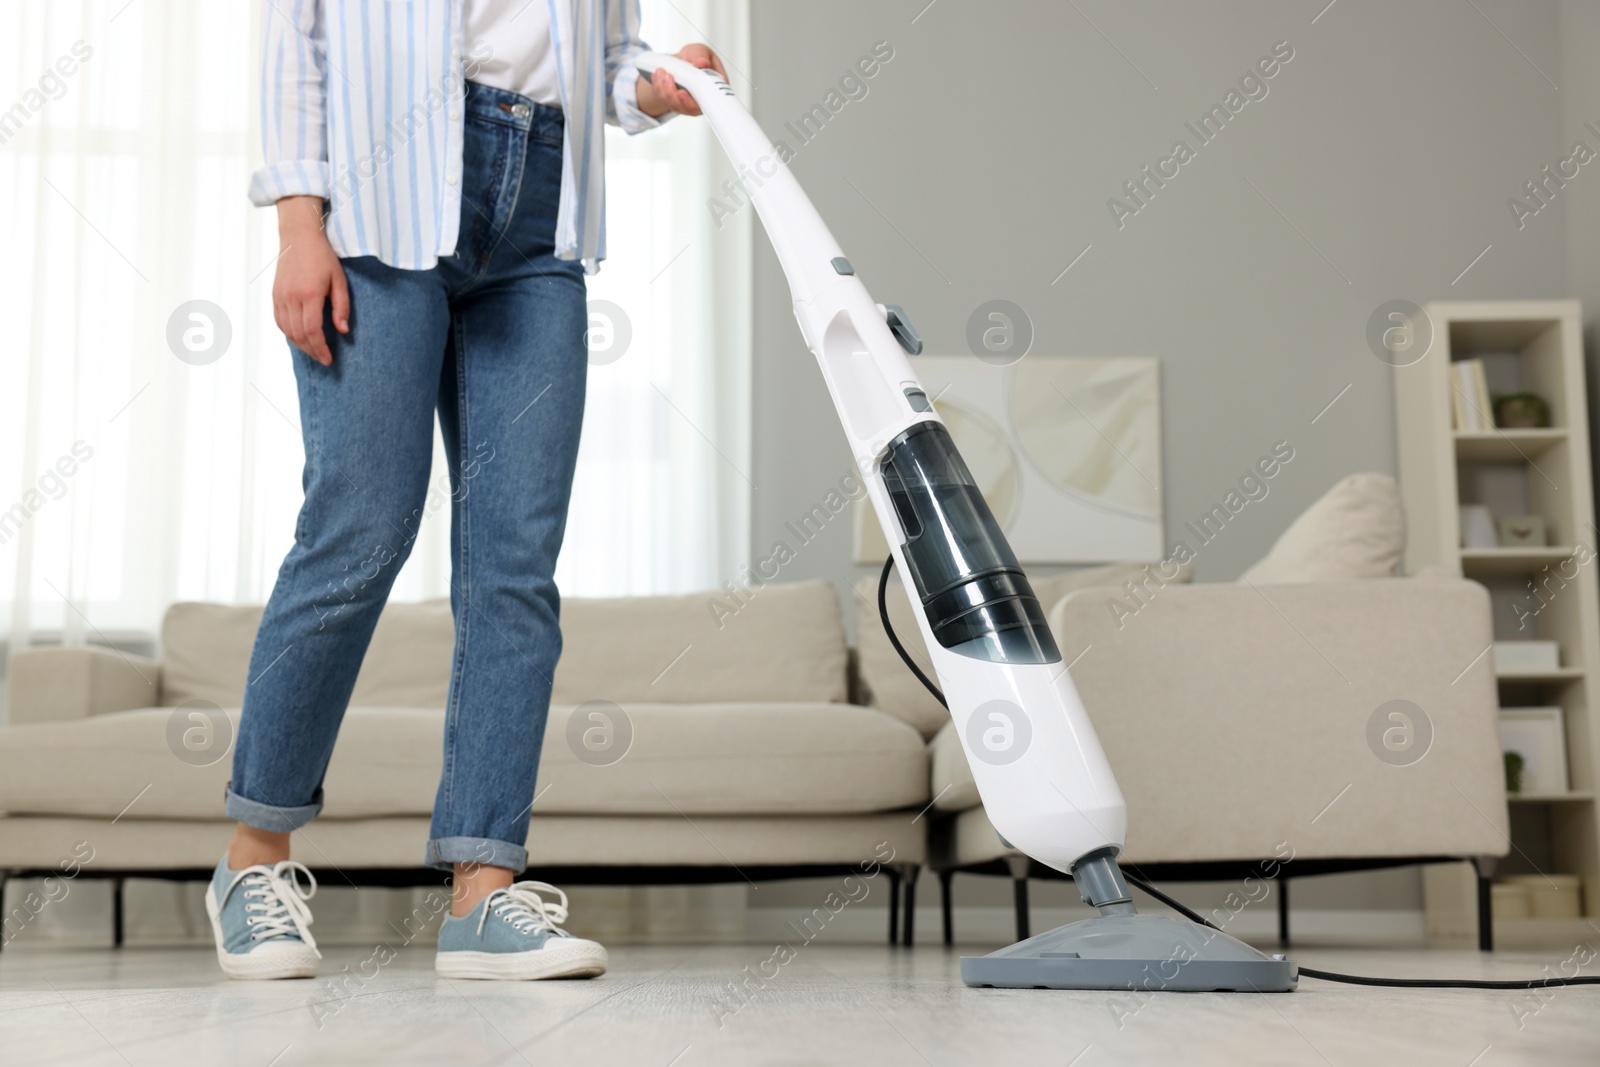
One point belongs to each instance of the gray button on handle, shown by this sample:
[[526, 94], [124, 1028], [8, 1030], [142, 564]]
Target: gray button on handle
[[902, 329]]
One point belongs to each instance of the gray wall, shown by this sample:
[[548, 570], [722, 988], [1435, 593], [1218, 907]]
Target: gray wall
[[980, 163], [1580, 100], [992, 140]]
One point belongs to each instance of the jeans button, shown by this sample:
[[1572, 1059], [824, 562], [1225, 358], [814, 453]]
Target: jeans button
[[520, 111]]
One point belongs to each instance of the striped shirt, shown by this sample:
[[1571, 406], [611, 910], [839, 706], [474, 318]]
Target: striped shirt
[[361, 104]]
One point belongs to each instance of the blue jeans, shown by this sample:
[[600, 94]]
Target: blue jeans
[[493, 339]]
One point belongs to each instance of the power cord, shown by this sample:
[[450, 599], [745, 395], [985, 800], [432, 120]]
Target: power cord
[[1361, 979], [888, 628], [1326, 976]]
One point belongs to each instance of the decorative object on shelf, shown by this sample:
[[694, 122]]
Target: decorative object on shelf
[[1523, 531], [1478, 527], [1538, 736], [1513, 656], [1514, 766], [1470, 406], [1551, 896], [1510, 900], [1521, 411]]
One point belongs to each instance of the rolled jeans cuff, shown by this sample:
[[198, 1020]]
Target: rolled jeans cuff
[[445, 852], [270, 817]]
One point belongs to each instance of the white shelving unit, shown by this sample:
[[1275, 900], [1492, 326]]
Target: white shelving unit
[[1533, 346]]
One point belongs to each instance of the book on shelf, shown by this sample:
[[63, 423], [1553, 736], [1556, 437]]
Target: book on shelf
[[1470, 405]]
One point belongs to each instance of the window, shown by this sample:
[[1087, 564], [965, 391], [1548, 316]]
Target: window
[[130, 479]]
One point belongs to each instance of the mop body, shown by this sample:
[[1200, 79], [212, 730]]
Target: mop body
[[1045, 782]]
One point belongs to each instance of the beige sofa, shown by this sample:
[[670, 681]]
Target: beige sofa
[[1243, 719], [745, 758], [1238, 718]]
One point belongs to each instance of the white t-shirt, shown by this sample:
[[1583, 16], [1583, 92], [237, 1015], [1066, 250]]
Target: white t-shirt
[[509, 47]]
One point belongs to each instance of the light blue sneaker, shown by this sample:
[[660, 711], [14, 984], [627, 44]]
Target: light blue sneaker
[[515, 933], [260, 920]]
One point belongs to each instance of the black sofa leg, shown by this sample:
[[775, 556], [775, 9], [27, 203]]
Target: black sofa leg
[[947, 911], [1283, 911], [116, 912], [1019, 891], [908, 930], [894, 904], [1483, 866], [1020, 902]]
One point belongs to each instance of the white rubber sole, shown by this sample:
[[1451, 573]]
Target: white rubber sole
[[276, 959], [559, 958]]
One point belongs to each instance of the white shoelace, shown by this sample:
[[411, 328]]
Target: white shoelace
[[522, 906], [275, 900]]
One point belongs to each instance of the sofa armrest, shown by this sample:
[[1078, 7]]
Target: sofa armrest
[[952, 785], [61, 684], [1248, 721]]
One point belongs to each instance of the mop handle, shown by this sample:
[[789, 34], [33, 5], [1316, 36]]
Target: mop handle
[[804, 244]]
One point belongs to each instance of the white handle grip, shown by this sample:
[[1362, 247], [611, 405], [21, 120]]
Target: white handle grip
[[682, 71]]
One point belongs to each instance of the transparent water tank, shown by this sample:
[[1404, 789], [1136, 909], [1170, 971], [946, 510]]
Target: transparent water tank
[[977, 599]]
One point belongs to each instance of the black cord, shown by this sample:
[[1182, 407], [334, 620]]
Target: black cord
[[888, 628], [1361, 979], [1326, 976]]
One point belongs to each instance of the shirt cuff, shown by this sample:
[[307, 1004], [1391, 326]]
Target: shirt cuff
[[625, 100], [292, 177]]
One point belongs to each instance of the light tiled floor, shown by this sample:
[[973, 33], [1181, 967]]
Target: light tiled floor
[[659, 1006]]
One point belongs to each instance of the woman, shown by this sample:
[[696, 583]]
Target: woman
[[438, 175]]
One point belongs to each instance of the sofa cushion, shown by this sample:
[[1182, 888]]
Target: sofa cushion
[[782, 642], [1356, 530], [896, 690], [205, 654], [408, 662], [688, 759]]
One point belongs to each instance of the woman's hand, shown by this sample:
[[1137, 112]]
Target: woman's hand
[[659, 94], [308, 275]]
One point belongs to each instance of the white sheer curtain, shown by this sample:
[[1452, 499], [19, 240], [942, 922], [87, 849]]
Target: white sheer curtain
[[130, 478]]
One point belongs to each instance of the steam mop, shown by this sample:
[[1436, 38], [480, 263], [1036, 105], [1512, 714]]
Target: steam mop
[[1040, 770]]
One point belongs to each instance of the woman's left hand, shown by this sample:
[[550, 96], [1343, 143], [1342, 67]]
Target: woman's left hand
[[660, 94]]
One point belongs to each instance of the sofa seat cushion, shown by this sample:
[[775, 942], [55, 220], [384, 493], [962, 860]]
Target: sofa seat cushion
[[684, 759]]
